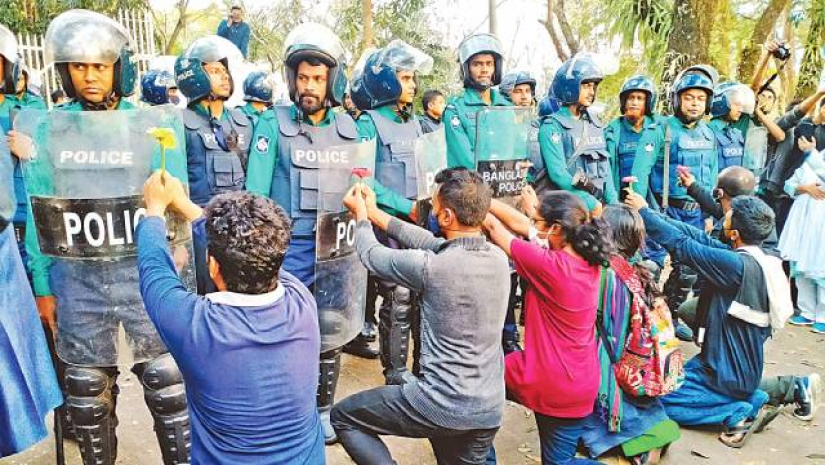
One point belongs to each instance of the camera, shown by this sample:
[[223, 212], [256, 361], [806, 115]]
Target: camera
[[782, 52]]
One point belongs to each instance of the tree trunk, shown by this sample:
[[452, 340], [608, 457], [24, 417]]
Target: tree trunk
[[812, 61], [788, 73], [549, 25], [689, 41], [750, 53], [566, 30], [179, 27], [493, 17], [366, 13]]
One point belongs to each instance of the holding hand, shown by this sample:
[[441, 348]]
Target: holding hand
[[814, 190], [356, 203], [686, 178], [161, 190], [529, 200], [634, 200], [806, 145]]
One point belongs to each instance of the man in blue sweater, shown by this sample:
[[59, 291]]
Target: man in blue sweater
[[249, 352]]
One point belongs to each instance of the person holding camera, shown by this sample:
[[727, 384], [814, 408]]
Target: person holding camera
[[235, 30]]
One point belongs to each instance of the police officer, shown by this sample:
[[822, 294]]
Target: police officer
[[257, 93], [25, 98], [689, 142], [154, 87], [519, 88], [217, 138], [572, 139], [390, 79], [314, 68], [684, 143], [93, 56], [731, 103], [481, 60]]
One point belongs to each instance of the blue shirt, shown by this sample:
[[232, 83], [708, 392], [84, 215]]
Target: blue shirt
[[237, 33], [249, 362], [732, 355]]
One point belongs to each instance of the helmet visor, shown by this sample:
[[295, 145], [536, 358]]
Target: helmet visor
[[81, 36], [401, 56]]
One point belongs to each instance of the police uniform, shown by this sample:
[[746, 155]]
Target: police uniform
[[692, 146], [560, 136], [460, 125], [730, 141], [214, 169], [251, 113], [625, 144], [396, 187]]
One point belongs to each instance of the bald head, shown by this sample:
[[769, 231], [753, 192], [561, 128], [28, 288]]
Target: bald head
[[736, 181]]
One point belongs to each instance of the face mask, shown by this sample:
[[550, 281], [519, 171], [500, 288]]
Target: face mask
[[534, 237], [432, 225]]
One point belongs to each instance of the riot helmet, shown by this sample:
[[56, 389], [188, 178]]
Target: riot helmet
[[639, 83], [474, 45], [258, 87], [511, 80], [192, 79], [82, 36], [691, 80], [315, 42], [379, 74], [571, 75], [11, 61], [709, 71], [727, 94], [154, 87], [548, 106]]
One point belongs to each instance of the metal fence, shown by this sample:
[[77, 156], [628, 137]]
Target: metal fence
[[140, 27]]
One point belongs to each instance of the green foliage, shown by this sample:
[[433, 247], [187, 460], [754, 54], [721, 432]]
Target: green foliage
[[406, 20], [33, 16], [648, 21]]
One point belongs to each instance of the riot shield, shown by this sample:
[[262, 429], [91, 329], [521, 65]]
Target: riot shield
[[756, 149], [430, 158], [501, 149], [340, 278], [84, 173], [8, 202]]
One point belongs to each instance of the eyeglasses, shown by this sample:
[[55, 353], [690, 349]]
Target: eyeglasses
[[227, 143]]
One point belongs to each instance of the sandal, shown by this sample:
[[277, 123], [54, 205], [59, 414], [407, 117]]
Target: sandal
[[739, 435], [771, 413]]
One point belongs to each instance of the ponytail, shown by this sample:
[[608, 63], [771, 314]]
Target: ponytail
[[592, 241]]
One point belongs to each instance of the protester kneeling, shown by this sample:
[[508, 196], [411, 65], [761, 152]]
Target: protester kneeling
[[746, 296], [248, 353], [457, 401]]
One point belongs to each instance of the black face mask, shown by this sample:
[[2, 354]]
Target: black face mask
[[723, 238]]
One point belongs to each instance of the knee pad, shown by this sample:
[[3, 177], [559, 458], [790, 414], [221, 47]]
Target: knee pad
[[163, 386], [89, 395], [402, 296]]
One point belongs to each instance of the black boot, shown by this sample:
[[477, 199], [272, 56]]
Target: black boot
[[327, 382]]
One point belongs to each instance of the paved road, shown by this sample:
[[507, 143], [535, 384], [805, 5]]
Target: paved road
[[787, 441]]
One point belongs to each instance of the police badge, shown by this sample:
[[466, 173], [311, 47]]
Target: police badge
[[262, 144]]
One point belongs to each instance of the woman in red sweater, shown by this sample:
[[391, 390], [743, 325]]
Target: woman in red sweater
[[557, 374]]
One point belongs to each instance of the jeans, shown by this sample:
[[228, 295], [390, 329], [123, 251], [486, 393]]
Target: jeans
[[559, 438], [360, 418]]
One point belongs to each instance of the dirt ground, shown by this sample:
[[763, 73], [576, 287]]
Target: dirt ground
[[787, 441]]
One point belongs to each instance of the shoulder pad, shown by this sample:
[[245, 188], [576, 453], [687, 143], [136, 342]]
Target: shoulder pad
[[346, 126], [565, 121], [287, 126], [451, 107], [193, 120], [239, 117]]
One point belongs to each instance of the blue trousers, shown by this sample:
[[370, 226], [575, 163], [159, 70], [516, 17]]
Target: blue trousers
[[559, 439]]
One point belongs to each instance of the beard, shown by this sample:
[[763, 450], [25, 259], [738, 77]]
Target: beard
[[310, 103]]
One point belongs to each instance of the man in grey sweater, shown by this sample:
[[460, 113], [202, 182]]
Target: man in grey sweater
[[458, 399]]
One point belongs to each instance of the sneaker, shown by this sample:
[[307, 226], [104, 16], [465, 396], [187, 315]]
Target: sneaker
[[684, 333], [808, 389], [818, 328], [329, 433], [360, 347], [368, 332], [800, 320]]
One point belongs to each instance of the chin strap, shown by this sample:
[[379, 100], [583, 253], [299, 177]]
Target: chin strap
[[107, 103], [405, 111]]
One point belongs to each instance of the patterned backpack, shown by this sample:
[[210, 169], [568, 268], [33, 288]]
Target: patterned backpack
[[651, 363]]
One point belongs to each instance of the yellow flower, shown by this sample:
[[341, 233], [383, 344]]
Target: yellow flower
[[164, 136]]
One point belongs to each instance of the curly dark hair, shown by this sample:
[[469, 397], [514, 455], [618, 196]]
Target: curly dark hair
[[589, 237], [248, 235]]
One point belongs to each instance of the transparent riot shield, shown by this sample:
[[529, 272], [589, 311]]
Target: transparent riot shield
[[501, 149], [84, 173], [8, 202], [340, 278], [430, 158], [756, 149]]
